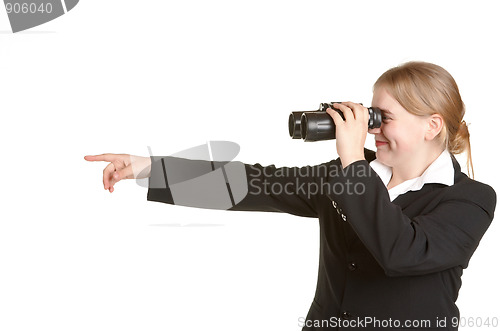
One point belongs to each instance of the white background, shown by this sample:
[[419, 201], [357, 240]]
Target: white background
[[118, 76]]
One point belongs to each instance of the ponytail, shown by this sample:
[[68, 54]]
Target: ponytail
[[460, 142]]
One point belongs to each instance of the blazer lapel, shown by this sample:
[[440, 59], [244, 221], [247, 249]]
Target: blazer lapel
[[404, 200]]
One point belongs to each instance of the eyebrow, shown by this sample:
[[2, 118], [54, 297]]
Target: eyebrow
[[386, 111]]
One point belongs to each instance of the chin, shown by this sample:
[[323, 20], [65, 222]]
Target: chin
[[383, 158]]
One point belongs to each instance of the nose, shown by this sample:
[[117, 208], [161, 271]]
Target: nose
[[374, 130]]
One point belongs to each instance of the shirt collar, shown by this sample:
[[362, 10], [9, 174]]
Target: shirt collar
[[440, 171]]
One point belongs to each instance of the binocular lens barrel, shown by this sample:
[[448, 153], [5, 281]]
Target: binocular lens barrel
[[319, 125], [294, 124]]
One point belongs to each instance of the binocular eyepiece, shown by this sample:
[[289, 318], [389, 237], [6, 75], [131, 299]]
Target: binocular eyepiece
[[318, 125]]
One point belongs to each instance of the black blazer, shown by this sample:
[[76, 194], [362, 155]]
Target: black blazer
[[383, 265]]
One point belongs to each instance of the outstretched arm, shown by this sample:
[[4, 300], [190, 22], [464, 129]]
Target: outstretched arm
[[223, 185], [238, 186]]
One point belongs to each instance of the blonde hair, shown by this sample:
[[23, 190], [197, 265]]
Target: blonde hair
[[425, 89]]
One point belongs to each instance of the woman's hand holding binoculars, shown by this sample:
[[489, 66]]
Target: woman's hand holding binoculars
[[351, 133]]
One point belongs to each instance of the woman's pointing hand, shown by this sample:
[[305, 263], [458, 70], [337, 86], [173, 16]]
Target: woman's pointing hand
[[122, 166]]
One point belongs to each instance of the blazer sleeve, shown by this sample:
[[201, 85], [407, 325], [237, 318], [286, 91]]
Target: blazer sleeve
[[238, 186], [443, 238]]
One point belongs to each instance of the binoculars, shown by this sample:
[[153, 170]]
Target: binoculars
[[318, 125]]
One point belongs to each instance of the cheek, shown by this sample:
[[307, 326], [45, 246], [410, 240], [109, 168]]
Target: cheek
[[402, 137]]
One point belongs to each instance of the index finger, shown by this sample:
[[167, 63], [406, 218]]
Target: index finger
[[101, 157], [358, 109]]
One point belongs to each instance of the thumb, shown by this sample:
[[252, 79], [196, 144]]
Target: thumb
[[125, 173]]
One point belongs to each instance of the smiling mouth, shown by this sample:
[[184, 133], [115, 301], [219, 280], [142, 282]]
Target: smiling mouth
[[380, 143]]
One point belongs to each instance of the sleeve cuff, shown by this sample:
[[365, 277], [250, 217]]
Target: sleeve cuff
[[158, 189]]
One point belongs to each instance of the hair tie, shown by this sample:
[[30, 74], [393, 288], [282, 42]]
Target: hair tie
[[464, 127]]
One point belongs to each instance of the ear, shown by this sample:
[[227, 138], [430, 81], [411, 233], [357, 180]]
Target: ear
[[435, 124]]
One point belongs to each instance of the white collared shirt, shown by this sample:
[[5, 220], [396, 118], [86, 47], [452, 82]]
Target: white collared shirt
[[440, 171]]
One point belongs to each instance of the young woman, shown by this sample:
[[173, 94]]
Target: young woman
[[397, 226]]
